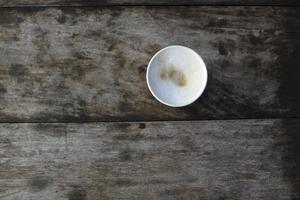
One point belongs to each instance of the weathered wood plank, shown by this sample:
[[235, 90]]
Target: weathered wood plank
[[243, 159], [21, 3], [87, 64]]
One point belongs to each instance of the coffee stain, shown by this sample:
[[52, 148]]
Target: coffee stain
[[175, 75]]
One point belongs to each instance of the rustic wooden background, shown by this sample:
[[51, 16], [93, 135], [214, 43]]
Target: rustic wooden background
[[77, 121]]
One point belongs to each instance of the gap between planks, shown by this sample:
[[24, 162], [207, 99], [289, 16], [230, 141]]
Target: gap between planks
[[149, 121], [149, 5]]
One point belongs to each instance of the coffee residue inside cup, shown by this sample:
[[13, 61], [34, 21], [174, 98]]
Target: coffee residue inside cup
[[175, 75]]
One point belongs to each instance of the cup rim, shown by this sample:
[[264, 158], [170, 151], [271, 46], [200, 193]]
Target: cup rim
[[200, 91]]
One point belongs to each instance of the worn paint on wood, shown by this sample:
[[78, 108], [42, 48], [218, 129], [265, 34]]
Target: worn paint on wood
[[21, 3], [234, 159], [88, 64]]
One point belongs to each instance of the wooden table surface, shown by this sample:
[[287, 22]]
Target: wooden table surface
[[77, 121]]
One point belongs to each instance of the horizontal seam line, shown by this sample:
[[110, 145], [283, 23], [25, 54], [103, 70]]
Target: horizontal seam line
[[141, 121], [149, 5]]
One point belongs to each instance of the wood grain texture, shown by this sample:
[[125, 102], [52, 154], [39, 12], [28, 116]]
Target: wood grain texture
[[88, 64], [22, 3], [234, 159]]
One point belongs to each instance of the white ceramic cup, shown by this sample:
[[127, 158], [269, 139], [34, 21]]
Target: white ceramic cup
[[176, 76]]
